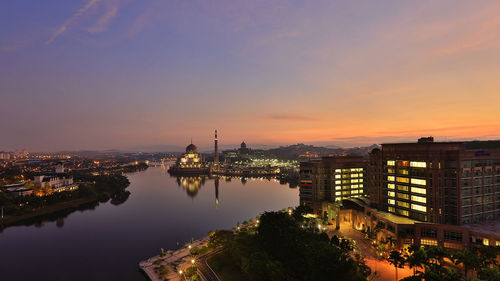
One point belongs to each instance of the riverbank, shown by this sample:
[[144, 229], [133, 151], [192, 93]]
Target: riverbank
[[11, 220], [172, 264]]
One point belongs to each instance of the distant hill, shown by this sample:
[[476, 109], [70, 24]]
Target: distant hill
[[296, 150]]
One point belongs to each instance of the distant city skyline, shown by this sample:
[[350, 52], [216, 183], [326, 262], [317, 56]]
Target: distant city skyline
[[119, 74]]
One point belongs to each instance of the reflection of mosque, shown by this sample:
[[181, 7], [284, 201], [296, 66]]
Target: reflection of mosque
[[193, 184]]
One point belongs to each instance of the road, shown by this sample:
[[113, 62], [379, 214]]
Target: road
[[207, 273], [381, 269]]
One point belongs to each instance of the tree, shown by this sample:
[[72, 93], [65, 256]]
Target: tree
[[417, 258], [468, 259], [396, 258]]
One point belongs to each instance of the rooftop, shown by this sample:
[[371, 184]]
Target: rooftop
[[491, 227]]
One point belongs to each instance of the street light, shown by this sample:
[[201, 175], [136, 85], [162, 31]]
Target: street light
[[192, 261], [180, 272]]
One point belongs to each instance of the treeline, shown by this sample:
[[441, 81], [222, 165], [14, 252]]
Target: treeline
[[282, 249], [435, 263], [101, 188]]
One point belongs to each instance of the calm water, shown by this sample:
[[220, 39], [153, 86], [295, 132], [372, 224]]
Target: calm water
[[108, 242]]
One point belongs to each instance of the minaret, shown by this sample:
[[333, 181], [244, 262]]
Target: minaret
[[216, 156]]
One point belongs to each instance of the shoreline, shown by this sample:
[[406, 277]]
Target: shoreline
[[10, 220]]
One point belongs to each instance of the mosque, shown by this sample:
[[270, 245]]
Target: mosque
[[190, 163]]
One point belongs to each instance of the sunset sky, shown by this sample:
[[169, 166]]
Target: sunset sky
[[102, 74]]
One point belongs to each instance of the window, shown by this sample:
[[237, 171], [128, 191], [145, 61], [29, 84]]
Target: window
[[337, 176], [403, 196], [419, 208], [402, 187], [428, 242], [418, 181], [418, 190], [391, 201], [337, 187], [402, 212], [338, 182], [418, 199], [403, 204], [418, 164], [390, 185], [401, 179], [403, 172], [338, 170], [453, 236], [391, 163], [391, 193], [428, 232], [390, 178], [338, 193], [391, 209]]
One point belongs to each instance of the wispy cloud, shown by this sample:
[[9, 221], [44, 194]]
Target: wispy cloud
[[69, 21], [103, 21]]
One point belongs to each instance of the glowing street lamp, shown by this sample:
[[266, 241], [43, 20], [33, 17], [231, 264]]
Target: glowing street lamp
[[180, 272], [192, 261]]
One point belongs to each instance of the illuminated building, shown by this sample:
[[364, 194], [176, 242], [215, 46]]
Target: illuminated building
[[190, 162], [330, 180], [438, 182]]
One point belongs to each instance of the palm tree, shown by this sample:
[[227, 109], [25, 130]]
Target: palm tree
[[395, 258], [417, 258], [468, 259]]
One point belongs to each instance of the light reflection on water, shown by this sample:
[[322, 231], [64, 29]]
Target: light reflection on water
[[106, 243]]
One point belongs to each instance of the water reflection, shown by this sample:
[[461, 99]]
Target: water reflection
[[191, 184]]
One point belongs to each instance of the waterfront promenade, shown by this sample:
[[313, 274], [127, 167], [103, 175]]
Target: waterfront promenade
[[176, 262]]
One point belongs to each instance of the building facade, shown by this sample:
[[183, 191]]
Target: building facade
[[437, 182], [331, 179]]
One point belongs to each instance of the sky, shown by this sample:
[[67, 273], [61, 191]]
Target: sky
[[119, 74]]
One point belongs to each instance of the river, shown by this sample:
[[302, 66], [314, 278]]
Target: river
[[107, 243]]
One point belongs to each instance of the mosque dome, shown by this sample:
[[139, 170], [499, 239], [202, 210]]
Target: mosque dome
[[191, 149], [243, 145]]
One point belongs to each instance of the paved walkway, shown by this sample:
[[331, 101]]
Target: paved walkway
[[381, 269], [206, 271]]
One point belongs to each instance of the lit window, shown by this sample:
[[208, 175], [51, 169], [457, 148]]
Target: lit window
[[418, 181], [418, 164], [418, 190], [391, 201], [354, 180], [391, 163], [403, 212], [337, 176], [403, 196], [428, 242], [390, 185], [338, 193], [391, 178], [419, 208], [354, 186], [418, 199], [338, 182], [338, 170], [361, 185], [354, 169], [337, 187], [401, 179], [486, 242], [391, 209], [360, 180], [403, 204], [354, 175], [402, 187], [354, 191], [391, 193]]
